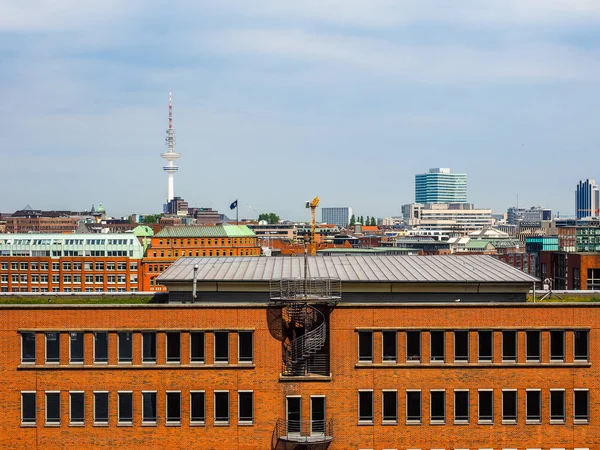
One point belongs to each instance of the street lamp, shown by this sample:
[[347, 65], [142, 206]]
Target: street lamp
[[195, 281]]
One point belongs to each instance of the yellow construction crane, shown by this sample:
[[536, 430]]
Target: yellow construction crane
[[312, 246]]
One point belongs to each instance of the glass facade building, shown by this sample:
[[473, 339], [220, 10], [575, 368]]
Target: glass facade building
[[587, 200], [441, 186]]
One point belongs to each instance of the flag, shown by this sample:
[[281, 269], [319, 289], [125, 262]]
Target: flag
[[233, 205]]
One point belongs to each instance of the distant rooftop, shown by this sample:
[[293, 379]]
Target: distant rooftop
[[226, 231]]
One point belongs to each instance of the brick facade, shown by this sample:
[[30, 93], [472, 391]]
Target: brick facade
[[348, 376]]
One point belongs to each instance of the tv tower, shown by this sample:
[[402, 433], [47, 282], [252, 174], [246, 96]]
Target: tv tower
[[170, 155]]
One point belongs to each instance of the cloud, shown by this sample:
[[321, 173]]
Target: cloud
[[446, 64]]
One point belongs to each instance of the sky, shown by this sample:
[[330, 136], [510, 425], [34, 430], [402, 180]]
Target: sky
[[276, 102]]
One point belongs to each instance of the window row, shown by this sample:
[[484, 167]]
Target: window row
[[76, 279], [68, 265], [132, 288], [197, 343], [208, 241], [485, 346], [126, 407], [223, 252], [508, 409]]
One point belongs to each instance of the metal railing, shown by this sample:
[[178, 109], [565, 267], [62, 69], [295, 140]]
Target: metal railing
[[305, 289], [305, 431]]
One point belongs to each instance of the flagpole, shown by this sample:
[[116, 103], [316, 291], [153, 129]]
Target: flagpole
[[237, 208]]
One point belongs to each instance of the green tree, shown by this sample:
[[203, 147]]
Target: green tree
[[352, 220], [270, 218], [362, 220], [373, 222], [368, 222], [152, 218]]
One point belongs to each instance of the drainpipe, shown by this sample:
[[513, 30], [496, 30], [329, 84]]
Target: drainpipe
[[195, 282]]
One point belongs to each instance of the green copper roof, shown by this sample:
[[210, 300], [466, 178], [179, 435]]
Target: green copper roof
[[143, 230], [219, 231], [478, 243]]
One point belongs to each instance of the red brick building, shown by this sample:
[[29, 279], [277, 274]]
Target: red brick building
[[410, 356], [571, 271]]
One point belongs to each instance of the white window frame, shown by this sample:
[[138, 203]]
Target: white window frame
[[365, 361], [437, 361], [96, 422], [462, 422], [167, 347], [363, 421], [437, 421], [581, 421], [107, 347], [125, 422], [76, 363], [564, 345], [198, 422], [539, 359], [204, 347], [511, 421], [173, 422], [71, 422], [414, 361], [35, 348], [119, 348], [479, 420], [29, 424], [462, 361], [252, 337], [245, 422], [52, 424], [533, 421], [142, 349], [579, 360], [221, 422], [510, 361], [46, 348], [555, 421], [484, 361], [389, 361], [147, 422], [389, 422], [215, 348], [413, 421]]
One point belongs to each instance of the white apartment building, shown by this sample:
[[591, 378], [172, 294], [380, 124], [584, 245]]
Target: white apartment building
[[446, 218]]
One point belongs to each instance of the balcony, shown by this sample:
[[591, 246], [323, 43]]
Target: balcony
[[305, 434]]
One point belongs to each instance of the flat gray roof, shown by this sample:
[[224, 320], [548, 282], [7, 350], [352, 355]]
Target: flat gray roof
[[350, 268]]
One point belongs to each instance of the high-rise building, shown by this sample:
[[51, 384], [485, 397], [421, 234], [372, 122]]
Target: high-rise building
[[440, 186], [339, 216], [587, 199]]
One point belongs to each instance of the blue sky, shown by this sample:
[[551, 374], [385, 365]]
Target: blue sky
[[278, 101]]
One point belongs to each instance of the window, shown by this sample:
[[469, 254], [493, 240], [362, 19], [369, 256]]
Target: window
[[76, 353], [581, 405], [76, 407], [101, 347], [557, 345], [28, 347], [221, 346], [438, 346], [245, 407], [461, 406], [533, 405], [52, 347], [486, 406], [149, 347], [197, 409], [173, 407], [509, 346], [245, 347], [438, 406], [28, 408], [557, 405], [52, 407], [222, 407], [581, 351], [389, 407], [125, 346], [149, 407], [533, 352], [509, 406], [101, 407], [461, 346], [197, 346], [125, 412], [365, 346], [486, 345], [390, 346], [174, 347], [365, 406], [413, 406]]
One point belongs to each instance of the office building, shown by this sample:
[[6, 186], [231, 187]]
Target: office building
[[440, 186], [268, 358], [446, 219], [70, 263], [339, 216], [587, 199]]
